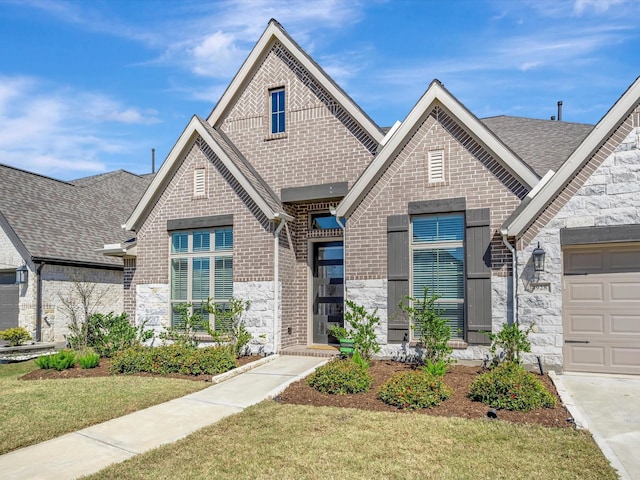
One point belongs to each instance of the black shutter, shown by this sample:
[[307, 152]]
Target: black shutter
[[478, 273], [397, 277]]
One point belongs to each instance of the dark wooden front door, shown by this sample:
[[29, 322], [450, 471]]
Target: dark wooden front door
[[328, 289]]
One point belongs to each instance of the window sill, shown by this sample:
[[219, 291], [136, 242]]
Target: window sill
[[275, 136], [457, 344]]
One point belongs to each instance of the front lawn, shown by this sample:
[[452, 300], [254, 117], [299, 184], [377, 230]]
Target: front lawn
[[37, 410], [272, 440]]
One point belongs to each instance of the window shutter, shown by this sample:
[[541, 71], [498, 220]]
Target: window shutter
[[397, 276], [199, 189], [436, 166], [478, 263]]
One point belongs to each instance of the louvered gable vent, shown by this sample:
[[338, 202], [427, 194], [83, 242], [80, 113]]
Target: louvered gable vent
[[436, 166], [199, 187]]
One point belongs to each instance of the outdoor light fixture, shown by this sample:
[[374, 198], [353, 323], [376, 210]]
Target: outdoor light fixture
[[21, 275], [538, 258]]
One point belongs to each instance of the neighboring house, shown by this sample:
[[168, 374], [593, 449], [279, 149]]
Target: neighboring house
[[288, 195], [55, 229]]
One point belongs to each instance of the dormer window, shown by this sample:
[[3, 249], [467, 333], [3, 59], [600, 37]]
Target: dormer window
[[277, 110]]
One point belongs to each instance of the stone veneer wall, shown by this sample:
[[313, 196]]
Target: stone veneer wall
[[609, 196]]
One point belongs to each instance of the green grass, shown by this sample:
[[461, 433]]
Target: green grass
[[37, 410], [271, 440]]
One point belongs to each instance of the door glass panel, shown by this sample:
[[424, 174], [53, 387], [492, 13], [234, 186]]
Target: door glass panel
[[328, 289]]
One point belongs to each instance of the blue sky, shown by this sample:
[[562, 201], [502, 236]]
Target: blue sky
[[91, 86]]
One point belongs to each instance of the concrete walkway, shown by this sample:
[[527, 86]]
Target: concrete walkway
[[609, 407], [91, 449]]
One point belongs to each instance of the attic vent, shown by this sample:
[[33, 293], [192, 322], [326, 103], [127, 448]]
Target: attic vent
[[199, 189], [436, 166]]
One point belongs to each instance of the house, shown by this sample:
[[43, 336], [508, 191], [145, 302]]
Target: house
[[289, 196], [53, 230]]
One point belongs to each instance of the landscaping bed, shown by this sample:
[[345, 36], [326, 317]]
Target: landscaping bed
[[459, 378], [102, 370]]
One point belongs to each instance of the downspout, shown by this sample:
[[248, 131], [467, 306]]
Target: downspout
[[276, 271], [514, 278], [39, 302]]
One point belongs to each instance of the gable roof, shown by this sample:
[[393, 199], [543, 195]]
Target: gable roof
[[54, 220], [528, 211], [267, 201], [543, 144], [275, 32], [436, 94]]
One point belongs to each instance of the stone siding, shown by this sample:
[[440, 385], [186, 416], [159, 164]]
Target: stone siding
[[609, 195]]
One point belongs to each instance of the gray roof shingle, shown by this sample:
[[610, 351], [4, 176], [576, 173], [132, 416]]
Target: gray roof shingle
[[69, 221], [543, 144]]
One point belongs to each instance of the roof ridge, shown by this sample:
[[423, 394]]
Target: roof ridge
[[22, 170]]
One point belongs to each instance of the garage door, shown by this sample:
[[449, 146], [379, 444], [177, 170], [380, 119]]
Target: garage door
[[8, 300], [601, 308]]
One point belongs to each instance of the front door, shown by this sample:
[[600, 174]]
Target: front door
[[328, 289]]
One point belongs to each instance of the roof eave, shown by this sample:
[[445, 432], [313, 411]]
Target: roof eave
[[436, 93], [517, 225], [273, 32]]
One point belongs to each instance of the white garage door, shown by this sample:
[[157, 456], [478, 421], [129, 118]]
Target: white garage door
[[601, 308], [8, 300]]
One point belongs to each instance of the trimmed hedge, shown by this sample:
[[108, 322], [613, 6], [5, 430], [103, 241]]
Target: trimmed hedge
[[413, 390], [174, 359], [341, 377], [511, 387]]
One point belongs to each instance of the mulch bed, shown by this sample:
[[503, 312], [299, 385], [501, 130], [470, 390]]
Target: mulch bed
[[102, 370], [458, 377]]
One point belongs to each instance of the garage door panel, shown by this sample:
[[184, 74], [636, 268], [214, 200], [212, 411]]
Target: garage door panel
[[586, 292], [624, 292], [8, 306], [628, 357], [601, 308], [622, 324], [586, 355], [586, 323]]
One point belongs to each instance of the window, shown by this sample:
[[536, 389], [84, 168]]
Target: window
[[199, 185], [277, 110], [437, 249], [436, 166], [201, 268], [325, 221]]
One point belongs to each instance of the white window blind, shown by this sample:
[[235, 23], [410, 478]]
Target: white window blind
[[436, 166]]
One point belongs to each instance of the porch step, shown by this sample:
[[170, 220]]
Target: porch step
[[326, 351]]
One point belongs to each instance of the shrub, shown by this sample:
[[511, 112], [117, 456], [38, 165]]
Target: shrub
[[15, 336], [229, 329], [88, 359], [62, 360], [511, 387], [174, 358], [437, 369], [432, 330], [341, 376], [362, 327], [413, 390], [511, 340], [111, 333]]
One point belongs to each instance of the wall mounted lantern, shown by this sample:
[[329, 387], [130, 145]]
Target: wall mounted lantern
[[538, 258], [22, 274]]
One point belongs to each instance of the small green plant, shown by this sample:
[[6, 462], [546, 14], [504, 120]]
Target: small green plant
[[110, 333], [61, 360], [511, 387], [362, 326], [511, 340], [191, 322], [88, 359], [413, 390], [432, 329], [340, 332], [16, 336], [229, 329], [437, 369], [341, 377]]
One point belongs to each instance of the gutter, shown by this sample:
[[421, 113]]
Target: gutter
[[276, 272], [514, 277]]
